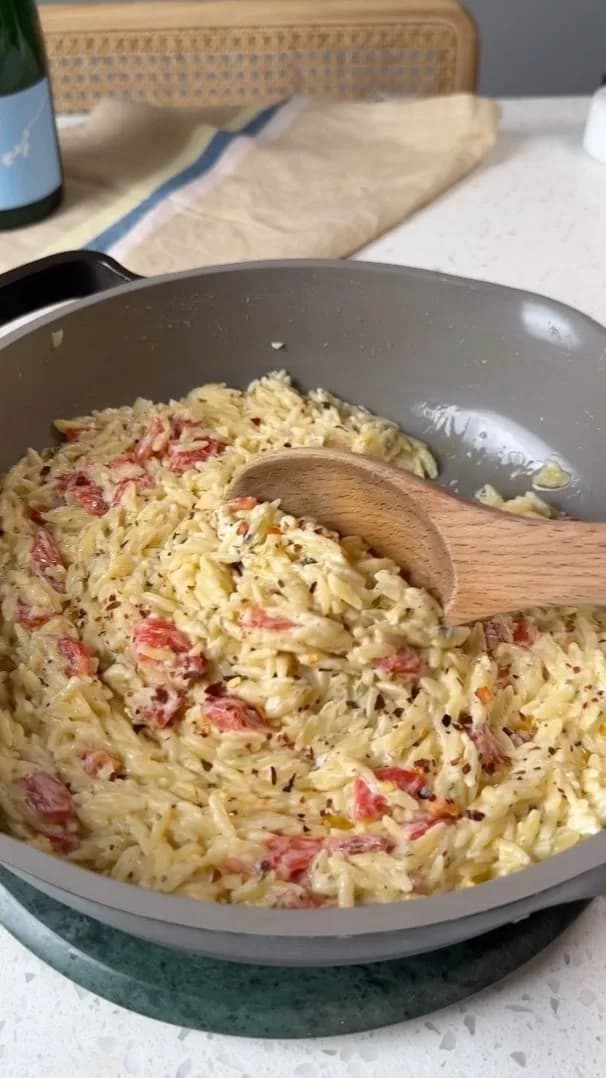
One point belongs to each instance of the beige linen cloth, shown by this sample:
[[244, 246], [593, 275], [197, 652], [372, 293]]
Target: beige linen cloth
[[166, 189]]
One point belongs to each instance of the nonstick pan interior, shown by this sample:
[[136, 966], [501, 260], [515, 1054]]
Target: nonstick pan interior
[[497, 381]]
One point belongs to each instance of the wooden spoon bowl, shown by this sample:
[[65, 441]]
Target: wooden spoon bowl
[[476, 561]]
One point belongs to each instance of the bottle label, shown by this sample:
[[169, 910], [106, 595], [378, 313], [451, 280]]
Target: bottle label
[[30, 168]]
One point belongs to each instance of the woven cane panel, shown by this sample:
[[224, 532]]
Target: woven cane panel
[[237, 66]]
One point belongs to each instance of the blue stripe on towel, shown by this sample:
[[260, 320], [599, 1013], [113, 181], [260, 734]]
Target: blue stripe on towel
[[207, 159]]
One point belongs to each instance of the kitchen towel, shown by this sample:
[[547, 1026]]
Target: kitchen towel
[[167, 189]]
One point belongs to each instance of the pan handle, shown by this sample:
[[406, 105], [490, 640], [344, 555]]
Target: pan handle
[[57, 278]]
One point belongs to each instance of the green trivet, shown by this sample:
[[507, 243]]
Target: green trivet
[[261, 1001]]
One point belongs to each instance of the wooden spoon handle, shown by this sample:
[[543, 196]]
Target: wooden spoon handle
[[498, 562], [514, 563]]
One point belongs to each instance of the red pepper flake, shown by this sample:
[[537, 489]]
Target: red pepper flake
[[218, 688], [423, 764]]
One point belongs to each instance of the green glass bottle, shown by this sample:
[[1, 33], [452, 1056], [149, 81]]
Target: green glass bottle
[[31, 180]]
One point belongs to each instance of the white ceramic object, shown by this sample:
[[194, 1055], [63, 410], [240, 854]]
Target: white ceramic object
[[594, 139]]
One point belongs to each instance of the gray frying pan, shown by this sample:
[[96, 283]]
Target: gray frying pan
[[497, 381]]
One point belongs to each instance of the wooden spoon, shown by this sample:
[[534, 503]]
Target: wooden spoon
[[476, 561]]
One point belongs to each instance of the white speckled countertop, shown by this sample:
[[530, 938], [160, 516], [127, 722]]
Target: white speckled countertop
[[532, 216]]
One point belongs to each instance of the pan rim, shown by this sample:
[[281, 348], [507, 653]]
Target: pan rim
[[372, 920], [48, 317]]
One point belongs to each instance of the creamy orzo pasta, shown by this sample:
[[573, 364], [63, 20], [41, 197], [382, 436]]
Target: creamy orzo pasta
[[211, 698]]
